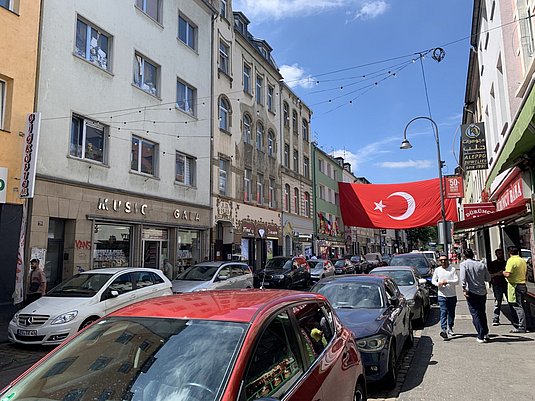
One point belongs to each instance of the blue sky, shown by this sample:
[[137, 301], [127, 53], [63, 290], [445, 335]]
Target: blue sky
[[313, 38]]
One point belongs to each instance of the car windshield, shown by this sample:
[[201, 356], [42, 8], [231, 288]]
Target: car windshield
[[355, 258], [418, 262], [351, 295], [198, 273], [400, 277], [340, 263], [315, 264], [279, 263], [80, 285], [138, 359]]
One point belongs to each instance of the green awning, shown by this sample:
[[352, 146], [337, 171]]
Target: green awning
[[521, 140]]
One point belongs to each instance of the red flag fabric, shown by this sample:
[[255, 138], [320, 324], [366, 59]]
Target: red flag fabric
[[397, 206]]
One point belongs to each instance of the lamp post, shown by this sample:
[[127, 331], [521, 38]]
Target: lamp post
[[405, 144]]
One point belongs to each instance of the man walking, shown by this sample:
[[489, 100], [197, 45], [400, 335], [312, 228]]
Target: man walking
[[496, 269], [474, 276], [37, 287], [515, 273], [445, 278]]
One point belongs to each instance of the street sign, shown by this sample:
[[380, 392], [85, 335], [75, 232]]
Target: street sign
[[3, 184], [474, 147]]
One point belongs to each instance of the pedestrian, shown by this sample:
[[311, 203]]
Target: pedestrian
[[446, 279], [498, 283], [474, 276], [37, 287], [515, 274]]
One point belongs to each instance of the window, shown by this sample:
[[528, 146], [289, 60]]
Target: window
[[246, 128], [224, 114], [296, 161], [322, 192], [315, 329], [307, 204], [3, 94], [151, 8], [146, 75], [224, 51], [223, 176], [270, 104], [294, 121], [122, 284], [92, 44], [187, 32], [247, 185], [305, 130], [88, 139], [286, 114], [271, 143], [185, 169], [328, 170], [246, 78], [259, 89], [271, 194], [306, 167], [143, 156], [322, 165], [260, 189], [286, 155], [287, 197], [259, 136], [296, 200], [276, 351], [223, 8], [186, 98], [8, 4]]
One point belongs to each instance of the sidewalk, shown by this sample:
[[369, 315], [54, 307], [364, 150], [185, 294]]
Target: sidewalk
[[463, 369]]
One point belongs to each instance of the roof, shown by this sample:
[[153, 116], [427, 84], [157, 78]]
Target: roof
[[226, 305]]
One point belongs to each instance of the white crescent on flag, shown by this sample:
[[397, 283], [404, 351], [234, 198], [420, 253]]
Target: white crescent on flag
[[411, 205]]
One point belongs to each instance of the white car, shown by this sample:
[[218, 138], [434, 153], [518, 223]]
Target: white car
[[320, 268], [214, 276], [82, 299]]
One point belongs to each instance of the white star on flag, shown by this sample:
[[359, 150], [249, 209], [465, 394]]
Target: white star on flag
[[379, 206]]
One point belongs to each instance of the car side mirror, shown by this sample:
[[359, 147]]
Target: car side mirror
[[422, 281], [114, 294], [222, 277]]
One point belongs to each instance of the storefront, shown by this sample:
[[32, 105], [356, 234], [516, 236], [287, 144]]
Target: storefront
[[297, 236], [258, 242], [77, 228]]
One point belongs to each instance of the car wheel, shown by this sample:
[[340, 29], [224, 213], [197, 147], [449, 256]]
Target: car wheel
[[360, 394], [391, 376], [87, 322]]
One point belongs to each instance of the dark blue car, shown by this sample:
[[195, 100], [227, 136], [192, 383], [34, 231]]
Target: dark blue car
[[376, 312]]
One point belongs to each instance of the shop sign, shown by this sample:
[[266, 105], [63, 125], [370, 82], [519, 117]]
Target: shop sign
[[118, 205], [248, 229], [511, 196], [261, 230], [3, 184], [474, 146], [272, 231], [29, 155], [186, 215], [154, 234], [473, 210], [453, 186], [224, 210]]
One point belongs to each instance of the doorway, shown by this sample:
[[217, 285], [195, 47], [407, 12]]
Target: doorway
[[54, 252], [155, 248]]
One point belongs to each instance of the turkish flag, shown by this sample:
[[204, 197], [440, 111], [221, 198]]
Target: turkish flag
[[397, 206]]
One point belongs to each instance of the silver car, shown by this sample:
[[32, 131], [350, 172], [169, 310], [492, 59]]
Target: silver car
[[320, 268], [214, 276]]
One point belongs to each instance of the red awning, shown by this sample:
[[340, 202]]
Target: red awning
[[495, 218]]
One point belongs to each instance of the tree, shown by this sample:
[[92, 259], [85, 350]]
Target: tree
[[420, 237]]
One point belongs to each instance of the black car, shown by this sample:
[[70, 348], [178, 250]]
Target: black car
[[374, 309], [283, 272]]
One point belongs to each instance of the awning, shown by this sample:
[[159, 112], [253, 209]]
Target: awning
[[521, 139], [494, 219]]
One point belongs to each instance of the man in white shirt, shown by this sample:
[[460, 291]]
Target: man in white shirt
[[445, 278]]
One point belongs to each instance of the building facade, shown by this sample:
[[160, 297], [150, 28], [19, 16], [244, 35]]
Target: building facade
[[296, 154], [124, 152], [247, 189]]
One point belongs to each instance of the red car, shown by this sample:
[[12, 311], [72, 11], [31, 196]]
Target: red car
[[213, 345]]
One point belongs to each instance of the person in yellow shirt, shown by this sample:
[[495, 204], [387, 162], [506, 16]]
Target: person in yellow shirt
[[515, 274]]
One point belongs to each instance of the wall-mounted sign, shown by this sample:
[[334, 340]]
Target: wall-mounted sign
[[453, 186], [118, 205], [29, 155], [272, 231], [473, 210], [3, 184], [512, 195], [248, 229], [474, 146]]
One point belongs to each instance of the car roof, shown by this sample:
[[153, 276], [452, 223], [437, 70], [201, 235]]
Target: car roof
[[410, 255], [386, 268], [218, 263], [364, 278], [114, 270], [225, 305]]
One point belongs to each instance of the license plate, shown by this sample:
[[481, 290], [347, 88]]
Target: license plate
[[26, 332]]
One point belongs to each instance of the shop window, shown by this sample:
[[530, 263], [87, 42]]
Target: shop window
[[88, 139], [92, 44], [111, 246], [189, 248], [144, 155]]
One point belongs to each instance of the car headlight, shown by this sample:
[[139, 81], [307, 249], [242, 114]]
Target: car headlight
[[15, 318], [372, 344], [279, 276], [65, 317]]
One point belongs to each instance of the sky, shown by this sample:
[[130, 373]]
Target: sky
[[363, 67]]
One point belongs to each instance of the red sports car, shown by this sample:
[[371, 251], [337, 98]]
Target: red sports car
[[214, 345]]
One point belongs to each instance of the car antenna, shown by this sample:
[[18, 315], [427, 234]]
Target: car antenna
[[263, 279]]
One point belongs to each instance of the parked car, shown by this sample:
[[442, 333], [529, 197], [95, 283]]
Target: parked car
[[343, 266], [412, 286], [423, 265], [283, 272], [530, 275], [372, 260], [320, 268], [238, 345], [525, 254], [356, 260], [214, 276], [79, 301], [374, 309]]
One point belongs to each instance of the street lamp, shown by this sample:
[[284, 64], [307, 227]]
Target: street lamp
[[405, 144]]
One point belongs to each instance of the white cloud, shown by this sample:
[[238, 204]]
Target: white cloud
[[295, 76], [369, 10], [407, 164], [365, 154]]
